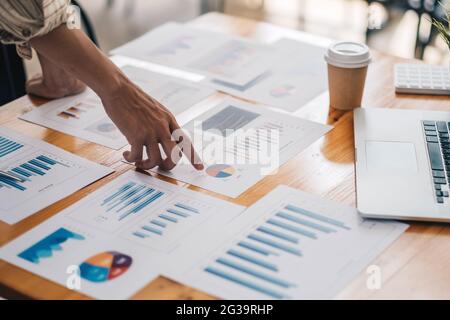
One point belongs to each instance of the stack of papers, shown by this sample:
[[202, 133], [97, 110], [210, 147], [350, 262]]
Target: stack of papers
[[117, 239], [285, 74], [208, 53], [288, 245]]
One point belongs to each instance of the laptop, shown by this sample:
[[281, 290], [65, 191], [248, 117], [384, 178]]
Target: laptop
[[402, 164]]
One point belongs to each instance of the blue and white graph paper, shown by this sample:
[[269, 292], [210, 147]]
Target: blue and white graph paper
[[44, 174], [289, 245], [149, 221]]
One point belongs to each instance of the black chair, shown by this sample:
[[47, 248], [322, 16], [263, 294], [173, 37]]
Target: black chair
[[12, 70], [12, 74]]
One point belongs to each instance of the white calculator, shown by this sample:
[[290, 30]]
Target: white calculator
[[422, 79]]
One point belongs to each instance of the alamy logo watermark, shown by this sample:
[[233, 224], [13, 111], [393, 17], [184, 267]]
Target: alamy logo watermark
[[250, 147], [73, 17], [374, 279], [73, 281]]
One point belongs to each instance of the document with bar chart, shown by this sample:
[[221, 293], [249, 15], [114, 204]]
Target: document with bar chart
[[296, 76], [120, 236], [243, 143], [290, 245], [82, 116], [217, 55], [39, 174]]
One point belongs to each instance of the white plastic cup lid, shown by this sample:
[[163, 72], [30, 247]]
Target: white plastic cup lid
[[348, 55]]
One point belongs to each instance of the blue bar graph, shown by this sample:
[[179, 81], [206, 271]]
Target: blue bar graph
[[316, 216], [142, 205], [38, 166], [33, 169], [8, 182], [304, 222], [21, 172], [173, 214], [277, 234], [178, 213], [8, 146], [168, 218], [140, 235], [275, 244], [245, 283], [119, 192], [258, 274], [153, 230], [253, 260], [129, 199], [186, 207], [292, 228], [158, 223], [137, 198], [125, 198], [254, 248]]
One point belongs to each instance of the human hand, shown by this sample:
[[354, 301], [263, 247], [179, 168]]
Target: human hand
[[147, 124], [54, 82]]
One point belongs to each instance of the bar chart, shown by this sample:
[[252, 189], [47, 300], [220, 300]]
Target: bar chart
[[32, 172], [168, 224], [35, 174], [130, 199], [289, 245], [8, 146], [119, 204], [253, 261], [25, 172]]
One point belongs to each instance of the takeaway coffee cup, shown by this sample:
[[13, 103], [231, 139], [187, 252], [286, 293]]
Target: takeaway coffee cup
[[347, 70]]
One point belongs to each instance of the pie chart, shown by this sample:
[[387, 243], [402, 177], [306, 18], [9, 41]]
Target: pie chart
[[220, 171], [105, 266]]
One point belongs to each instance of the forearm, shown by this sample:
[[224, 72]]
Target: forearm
[[71, 50]]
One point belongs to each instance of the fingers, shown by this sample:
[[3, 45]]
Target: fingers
[[185, 143], [189, 150], [173, 154], [135, 155], [154, 156]]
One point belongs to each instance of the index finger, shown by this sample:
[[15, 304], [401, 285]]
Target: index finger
[[186, 146]]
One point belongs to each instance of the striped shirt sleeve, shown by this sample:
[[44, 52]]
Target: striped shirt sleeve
[[22, 20]]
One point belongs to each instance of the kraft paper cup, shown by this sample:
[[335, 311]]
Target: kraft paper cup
[[347, 69]]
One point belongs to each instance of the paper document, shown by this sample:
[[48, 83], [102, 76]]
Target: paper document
[[212, 54], [289, 245], [83, 115], [298, 74], [175, 94], [243, 143], [39, 175], [117, 239]]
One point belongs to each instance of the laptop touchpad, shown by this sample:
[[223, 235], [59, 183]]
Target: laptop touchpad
[[392, 157]]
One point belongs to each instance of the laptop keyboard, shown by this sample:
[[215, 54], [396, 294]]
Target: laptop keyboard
[[438, 145]]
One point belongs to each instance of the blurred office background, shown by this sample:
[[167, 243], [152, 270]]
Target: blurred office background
[[397, 27]]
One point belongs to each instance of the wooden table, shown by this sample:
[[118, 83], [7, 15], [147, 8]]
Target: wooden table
[[417, 265]]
